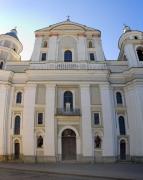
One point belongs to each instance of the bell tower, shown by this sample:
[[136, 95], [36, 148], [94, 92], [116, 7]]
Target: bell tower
[[10, 48], [131, 47]]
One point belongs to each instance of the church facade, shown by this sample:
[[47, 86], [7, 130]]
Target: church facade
[[68, 102]]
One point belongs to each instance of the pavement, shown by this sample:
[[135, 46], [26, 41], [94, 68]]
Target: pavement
[[112, 171]]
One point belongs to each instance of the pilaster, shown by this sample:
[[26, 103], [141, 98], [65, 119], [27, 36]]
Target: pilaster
[[108, 122], [87, 149], [28, 122], [49, 142]]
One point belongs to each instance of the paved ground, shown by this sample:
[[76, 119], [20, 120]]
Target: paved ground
[[22, 175], [71, 171]]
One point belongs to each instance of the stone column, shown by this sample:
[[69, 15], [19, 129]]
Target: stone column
[[99, 50], [28, 123], [87, 149], [49, 141], [4, 107], [108, 123], [52, 51], [82, 49], [36, 51], [134, 104]]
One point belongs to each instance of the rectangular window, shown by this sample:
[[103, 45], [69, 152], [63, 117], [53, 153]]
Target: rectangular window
[[96, 117], [92, 58], [43, 58], [40, 118]]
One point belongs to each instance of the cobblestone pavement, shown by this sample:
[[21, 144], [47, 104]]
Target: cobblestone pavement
[[72, 171], [22, 175]]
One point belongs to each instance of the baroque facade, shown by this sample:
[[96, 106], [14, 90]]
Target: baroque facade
[[68, 102]]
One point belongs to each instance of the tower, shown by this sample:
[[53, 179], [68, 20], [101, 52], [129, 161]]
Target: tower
[[10, 47]]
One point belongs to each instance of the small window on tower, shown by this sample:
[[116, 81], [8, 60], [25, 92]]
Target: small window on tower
[[40, 118], [1, 65], [96, 117], [43, 58], [92, 57]]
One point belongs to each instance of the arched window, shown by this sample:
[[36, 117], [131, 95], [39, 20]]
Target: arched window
[[122, 128], [119, 98], [97, 142], [19, 97], [1, 65], [39, 142], [68, 101], [67, 56], [140, 53], [45, 44], [90, 45], [17, 125]]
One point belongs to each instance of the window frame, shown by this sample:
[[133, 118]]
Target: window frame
[[92, 60], [19, 124], [41, 59], [125, 124], [71, 55], [38, 112], [99, 113], [15, 99]]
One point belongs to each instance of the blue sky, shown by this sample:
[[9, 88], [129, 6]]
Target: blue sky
[[105, 15]]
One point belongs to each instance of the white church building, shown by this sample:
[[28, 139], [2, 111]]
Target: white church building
[[68, 102]]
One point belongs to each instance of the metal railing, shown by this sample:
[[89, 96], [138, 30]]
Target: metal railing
[[71, 112]]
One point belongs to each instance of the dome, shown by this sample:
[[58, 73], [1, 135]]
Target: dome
[[13, 33]]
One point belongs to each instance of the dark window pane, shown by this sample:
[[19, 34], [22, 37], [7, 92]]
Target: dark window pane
[[68, 98], [40, 118], [122, 125], [140, 54], [43, 57], [17, 125], [119, 98], [96, 118], [92, 58], [68, 56], [1, 65], [19, 97]]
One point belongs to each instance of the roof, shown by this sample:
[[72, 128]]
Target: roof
[[12, 33]]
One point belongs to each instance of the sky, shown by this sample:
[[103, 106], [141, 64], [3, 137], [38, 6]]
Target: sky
[[106, 15]]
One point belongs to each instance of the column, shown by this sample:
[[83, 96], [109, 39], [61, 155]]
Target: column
[[99, 50], [36, 51], [82, 49], [28, 123], [49, 141], [134, 104], [87, 150], [4, 104], [108, 116], [52, 51]]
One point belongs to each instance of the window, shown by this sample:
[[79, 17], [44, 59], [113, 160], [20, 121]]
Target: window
[[96, 118], [40, 118], [44, 44], [135, 37], [19, 97], [40, 142], [17, 125], [1, 65], [67, 56], [68, 101], [90, 44], [140, 53], [91, 55], [122, 125], [119, 98], [97, 142], [43, 58]]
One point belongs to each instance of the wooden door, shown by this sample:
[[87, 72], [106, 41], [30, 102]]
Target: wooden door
[[123, 150], [17, 151], [69, 146]]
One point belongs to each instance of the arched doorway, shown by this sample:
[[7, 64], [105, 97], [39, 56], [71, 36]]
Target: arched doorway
[[68, 145], [16, 150], [122, 150]]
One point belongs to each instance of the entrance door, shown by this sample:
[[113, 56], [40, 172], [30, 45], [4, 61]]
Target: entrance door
[[122, 150], [68, 145], [17, 150]]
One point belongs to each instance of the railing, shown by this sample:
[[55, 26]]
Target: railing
[[67, 66], [71, 112]]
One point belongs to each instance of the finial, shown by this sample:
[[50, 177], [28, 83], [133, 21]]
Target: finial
[[126, 28], [68, 18]]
